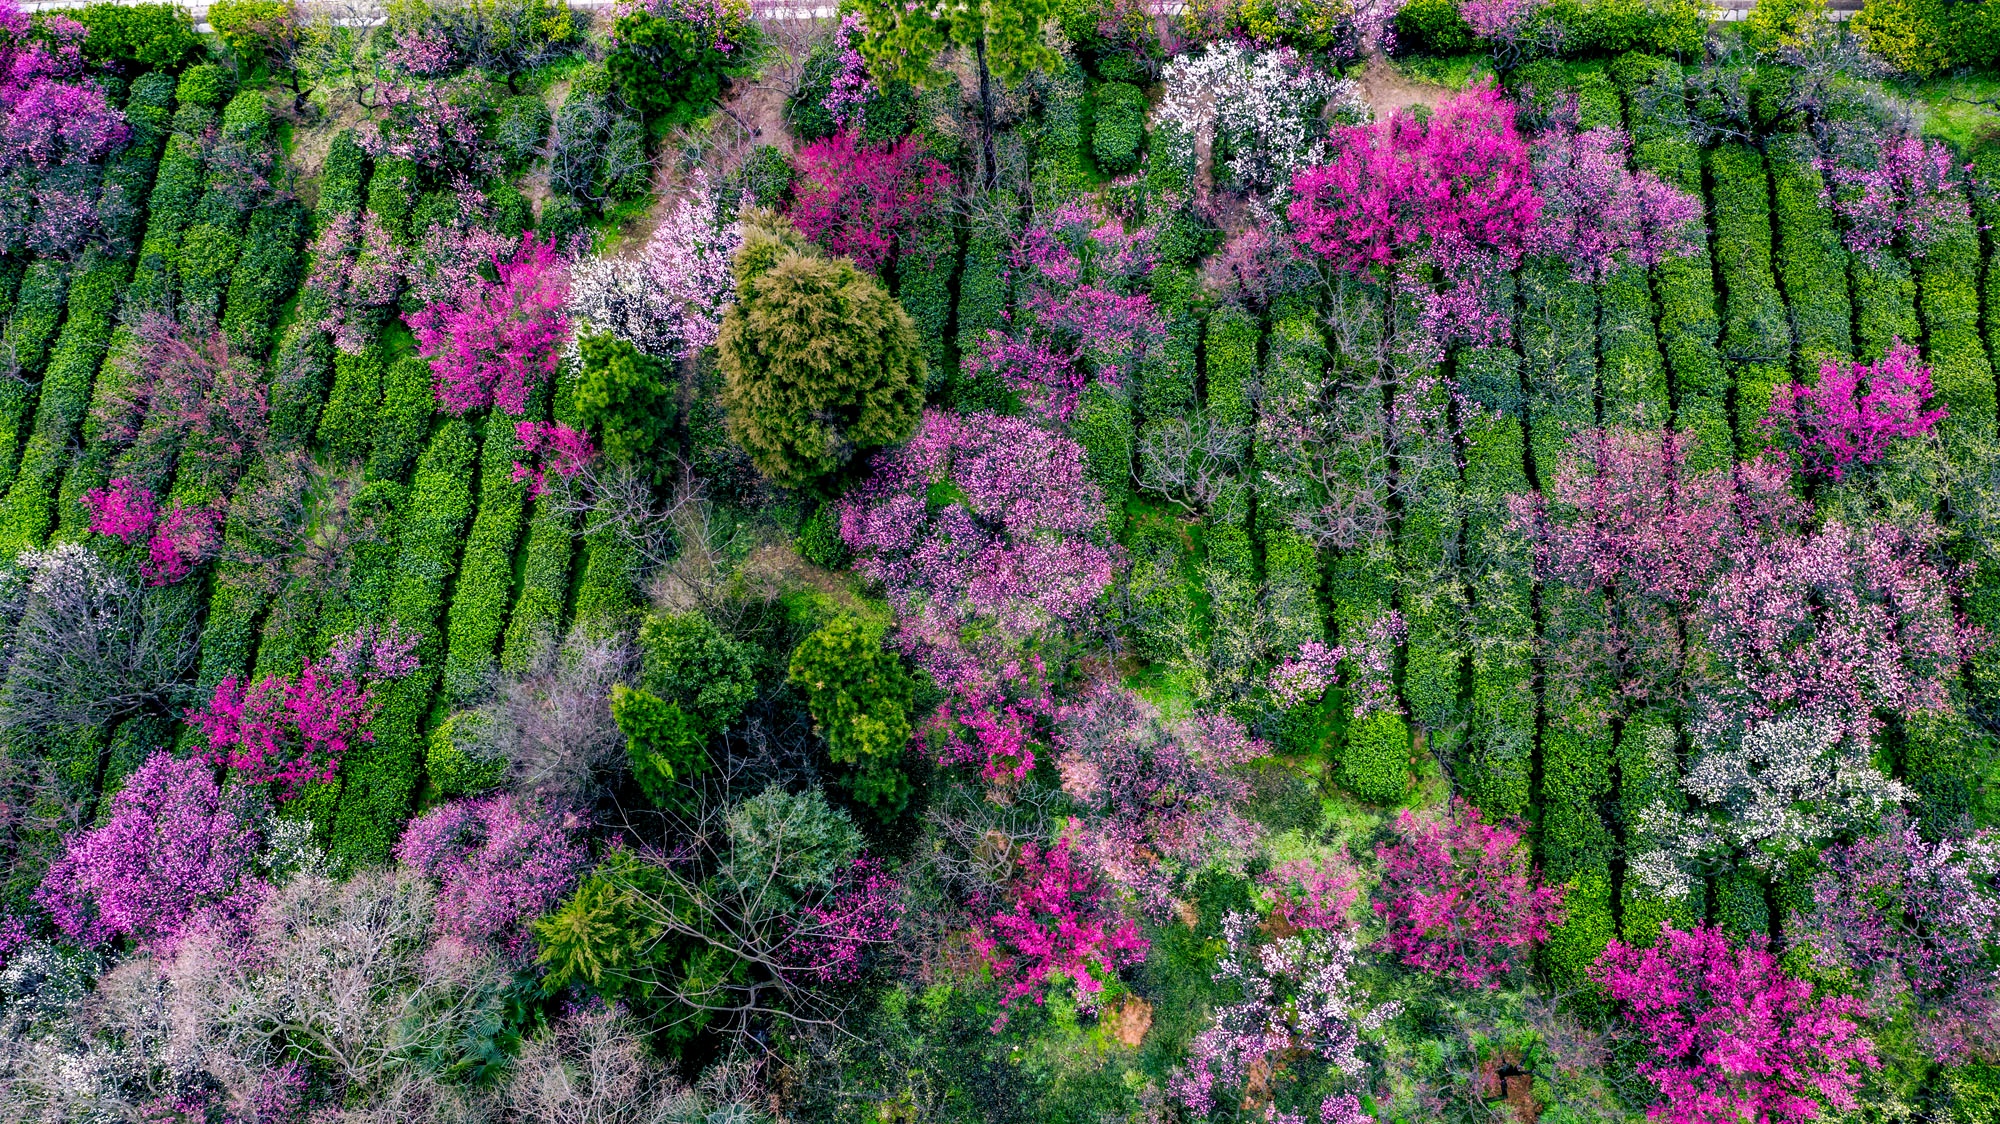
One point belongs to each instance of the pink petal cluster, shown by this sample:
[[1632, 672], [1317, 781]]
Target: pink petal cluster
[[1598, 214], [373, 652], [500, 862], [852, 87], [994, 721], [176, 849], [1057, 926], [1849, 418], [499, 339], [424, 52], [424, 123], [861, 202], [124, 510], [1318, 895], [564, 451], [1459, 899], [51, 116], [1733, 1038], [287, 731]]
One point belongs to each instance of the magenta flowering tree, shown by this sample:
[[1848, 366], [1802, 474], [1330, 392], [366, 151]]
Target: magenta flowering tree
[[1079, 317], [1908, 199], [289, 731], [500, 862], [1157, 799], [862, 912], [852, 87], [57, 123], [1459, 898], [1598, 214], [980, 518], [124, 509], [1455, 191], [1913, 923], [497, 340], [861, 202], [431, 124], [1059, 926], [994, 719], [555, 448], [1732, 1037], [1848, 419], [1309, 894], [183, 538], [177, 849]]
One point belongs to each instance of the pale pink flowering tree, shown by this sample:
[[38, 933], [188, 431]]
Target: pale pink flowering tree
[[500, 862], [177, 849], [1298, 1000], [560, 449], [187, 397], [862, 202], [1157, 799], [1913, 923], [1598, 214], [1849, 418], [1911, 196], [359, 266], [1058, 927], [980, 518], [500, 338], [422, 51], [1455, 192], [669, 301], [124, 509], [428, 123], [852, 87], [1305, 677], [289, 731], [1309, 894], [1459, 898], [1080, 317], [1733, 1037], [455, 254]]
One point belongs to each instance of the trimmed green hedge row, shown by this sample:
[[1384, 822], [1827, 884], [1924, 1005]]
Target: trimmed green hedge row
[[923, 285], [548, 556], [982, 280], [35, 316], [1164, 594], [1756, 333], [265, 277], [1649, 774], [26, 514], [1885, 303], [128, 176], [1558, 337], [1102, 424], [303, 366], [347, 424], [1811, 263], [398, 429], [1060, 172], [170, 209], [1948, 288], [1231, 365], [1500, 745], [486, 577], [380, 778], [1632, 375]]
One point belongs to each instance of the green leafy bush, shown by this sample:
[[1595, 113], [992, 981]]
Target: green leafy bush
[[138, 36], [860, 699], [688, 661], [205, 85], [664, 744], [1756, 332], [819, 538], [1432, 27], [1120, 127], [458, 762], [669, 66], [820, 362], [624, 398], [1375, 762], [518, 130], [795, 841]]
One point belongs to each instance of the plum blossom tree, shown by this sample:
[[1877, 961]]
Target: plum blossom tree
[[1907, 198], [861, 202], [1913, 923], [1157, 798], [187, 398], [1298, 1000], [177, 850], [1732, 1037], [494, 341], [1019, 540], [1849, 418], [563, 451], [123, 509], [668, 302], [359, 266], [1266, 106], [500, 862], [1058, 928], [1598, 214], [1459, 898], [55, 126]]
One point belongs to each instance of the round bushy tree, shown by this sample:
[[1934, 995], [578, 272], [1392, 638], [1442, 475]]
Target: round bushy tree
[[624, 397], [819, 361]]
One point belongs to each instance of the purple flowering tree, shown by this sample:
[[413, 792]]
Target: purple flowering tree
[[56, 125], [500, 862], [492, 342], [176, 850], [1906, 199], [1598, 214]]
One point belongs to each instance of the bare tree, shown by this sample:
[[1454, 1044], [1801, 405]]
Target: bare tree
[[1191, 459], [552, 722]]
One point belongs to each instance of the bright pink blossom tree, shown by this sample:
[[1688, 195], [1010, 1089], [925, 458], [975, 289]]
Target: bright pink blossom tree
[[54, 123], [861, 202], [182, 539], [498, 339], [1848, 418], [1059, 926], [1910, 197], [994, 720], [560, 449], [1459, 896], [500, 862], [124, 510], [1733, 1038], [863, 912], [176, 849]]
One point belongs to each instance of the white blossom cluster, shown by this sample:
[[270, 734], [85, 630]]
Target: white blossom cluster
[[1268, 108], [668, 301], [1763, 792]]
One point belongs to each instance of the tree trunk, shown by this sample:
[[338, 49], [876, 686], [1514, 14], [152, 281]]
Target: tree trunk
[[986, 118]]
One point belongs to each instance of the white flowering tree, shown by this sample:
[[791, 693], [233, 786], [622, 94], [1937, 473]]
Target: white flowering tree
[[668, 301], [1268, 108]]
